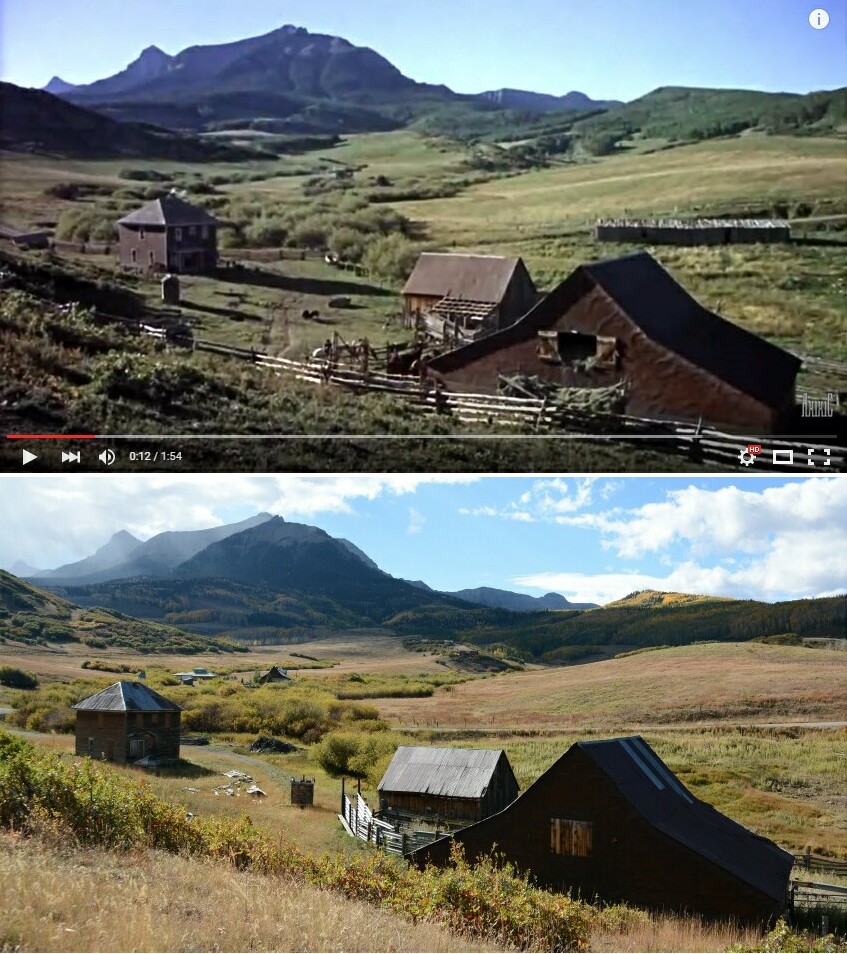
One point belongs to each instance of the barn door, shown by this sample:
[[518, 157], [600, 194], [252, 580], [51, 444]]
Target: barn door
[[136, 748]]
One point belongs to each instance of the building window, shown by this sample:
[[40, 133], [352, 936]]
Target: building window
[[141, 234], [178, 234], [205, 231], [90, 745], [150, 256], [134, 255], [570, 837], [192, 230], [149, 719]]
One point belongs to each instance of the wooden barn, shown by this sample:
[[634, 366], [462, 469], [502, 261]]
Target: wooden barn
[[169, 234], [462, 785], [610, 820], [275, 674], [126, 722], [475, 293], [627, 320]]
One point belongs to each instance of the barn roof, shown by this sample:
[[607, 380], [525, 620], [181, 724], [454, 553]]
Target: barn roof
[[277, 671], [128, 697], [651, 788], [449, 772], [480, 278], [169, 210], [668, 315]]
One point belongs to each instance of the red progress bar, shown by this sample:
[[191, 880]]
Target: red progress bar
[[51, 437]]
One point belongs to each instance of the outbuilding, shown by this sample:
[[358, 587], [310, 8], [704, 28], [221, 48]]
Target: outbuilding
[[275, 674], [473, 294], [127, 722], [169, 234], [609, 820], [627, 320], [451, 784]]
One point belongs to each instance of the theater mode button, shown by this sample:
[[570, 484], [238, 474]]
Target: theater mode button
[[28, 458]]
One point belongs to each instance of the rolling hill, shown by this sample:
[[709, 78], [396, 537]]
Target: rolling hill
[[519, 602], [32, 616], [35, 121]]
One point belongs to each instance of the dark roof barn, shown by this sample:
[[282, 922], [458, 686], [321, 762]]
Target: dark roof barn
[[609, 819]]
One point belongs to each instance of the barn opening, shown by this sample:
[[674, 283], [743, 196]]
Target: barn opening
[[573, 347]]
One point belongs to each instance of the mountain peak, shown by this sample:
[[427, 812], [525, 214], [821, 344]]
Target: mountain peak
[[152, 53], [58, 85]]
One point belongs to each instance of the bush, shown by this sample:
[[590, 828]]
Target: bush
[[86, 225], [391, 258], [17, 678], [348, 244]]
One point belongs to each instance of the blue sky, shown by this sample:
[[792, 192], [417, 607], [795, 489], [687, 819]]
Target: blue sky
[[608, 48], [591, 539]]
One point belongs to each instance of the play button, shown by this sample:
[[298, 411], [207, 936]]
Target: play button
[[28, 458]]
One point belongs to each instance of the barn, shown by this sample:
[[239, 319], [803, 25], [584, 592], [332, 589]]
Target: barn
[[456, 785], [475, 294], [169, 234], [126, 722], [610, 820], [275, 674], [628, 320]]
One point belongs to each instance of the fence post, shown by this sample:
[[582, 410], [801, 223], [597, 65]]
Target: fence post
[[343, 812], [403, 844], [808, 857]]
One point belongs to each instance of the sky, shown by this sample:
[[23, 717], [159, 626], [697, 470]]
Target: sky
[[592, 539], [610, 49]]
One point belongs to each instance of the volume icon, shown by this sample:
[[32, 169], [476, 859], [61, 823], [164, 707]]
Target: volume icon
[[107, 457]]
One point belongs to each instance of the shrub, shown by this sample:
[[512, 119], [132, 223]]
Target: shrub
[[391, 258], [348, 244], [17, 678]]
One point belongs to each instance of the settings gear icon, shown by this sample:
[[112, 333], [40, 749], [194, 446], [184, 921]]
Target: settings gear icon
[[746, 459]]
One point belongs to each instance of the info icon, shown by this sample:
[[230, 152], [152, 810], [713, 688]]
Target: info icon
[[818, 19]]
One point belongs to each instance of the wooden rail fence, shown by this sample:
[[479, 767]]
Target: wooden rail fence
[[819, 863], [537, 416], [361, 822]]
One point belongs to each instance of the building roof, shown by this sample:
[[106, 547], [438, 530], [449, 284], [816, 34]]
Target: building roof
[[480, 278], [169, 210], [277, 671], [449, 772], [128, 697], [657, 794], [668, 315], [696, 223]]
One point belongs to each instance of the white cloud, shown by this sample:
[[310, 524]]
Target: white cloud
[[47, 520], [546, 500], [776, 543], [727, 520]]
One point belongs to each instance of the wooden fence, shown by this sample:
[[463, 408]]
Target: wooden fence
[[540, 416], [819, 863], [361, 822]]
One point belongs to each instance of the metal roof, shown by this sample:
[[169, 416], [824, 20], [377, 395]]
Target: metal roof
[[169, 210], [695, 223], [654, 791], [449, 772], [128, 697], [480, 278]]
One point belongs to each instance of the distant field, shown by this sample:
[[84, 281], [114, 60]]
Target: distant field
[[727, 682]]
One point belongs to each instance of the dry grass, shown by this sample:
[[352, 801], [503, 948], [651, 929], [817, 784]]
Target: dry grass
[[719, 682], [150, 901], [670, 933]]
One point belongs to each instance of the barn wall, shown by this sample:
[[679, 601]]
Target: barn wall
[[108, 731], [204, 251], [630, 860], [419, 303], [709, 235], [463, 809], [662, 384], [502, 789], [519, 298], [160, 730]]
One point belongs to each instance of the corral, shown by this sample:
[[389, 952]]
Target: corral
[[693, 231]]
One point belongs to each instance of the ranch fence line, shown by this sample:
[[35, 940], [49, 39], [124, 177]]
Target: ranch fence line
[[360, 822], [820, 863], [542, 416]]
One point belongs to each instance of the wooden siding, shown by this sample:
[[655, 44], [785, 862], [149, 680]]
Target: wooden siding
[[569, 837], [631, 861], [188, 253], [662, 384], [125, 736]]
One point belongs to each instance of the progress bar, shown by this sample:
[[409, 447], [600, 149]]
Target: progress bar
[[805, 438]]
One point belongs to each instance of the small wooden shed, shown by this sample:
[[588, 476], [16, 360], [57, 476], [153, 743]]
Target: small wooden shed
[[275, 674], [610, 820], [126, 722], [453, 784], [491, 288]]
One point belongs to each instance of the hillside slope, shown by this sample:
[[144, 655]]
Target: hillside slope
[[35, 121], [30, 615]]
